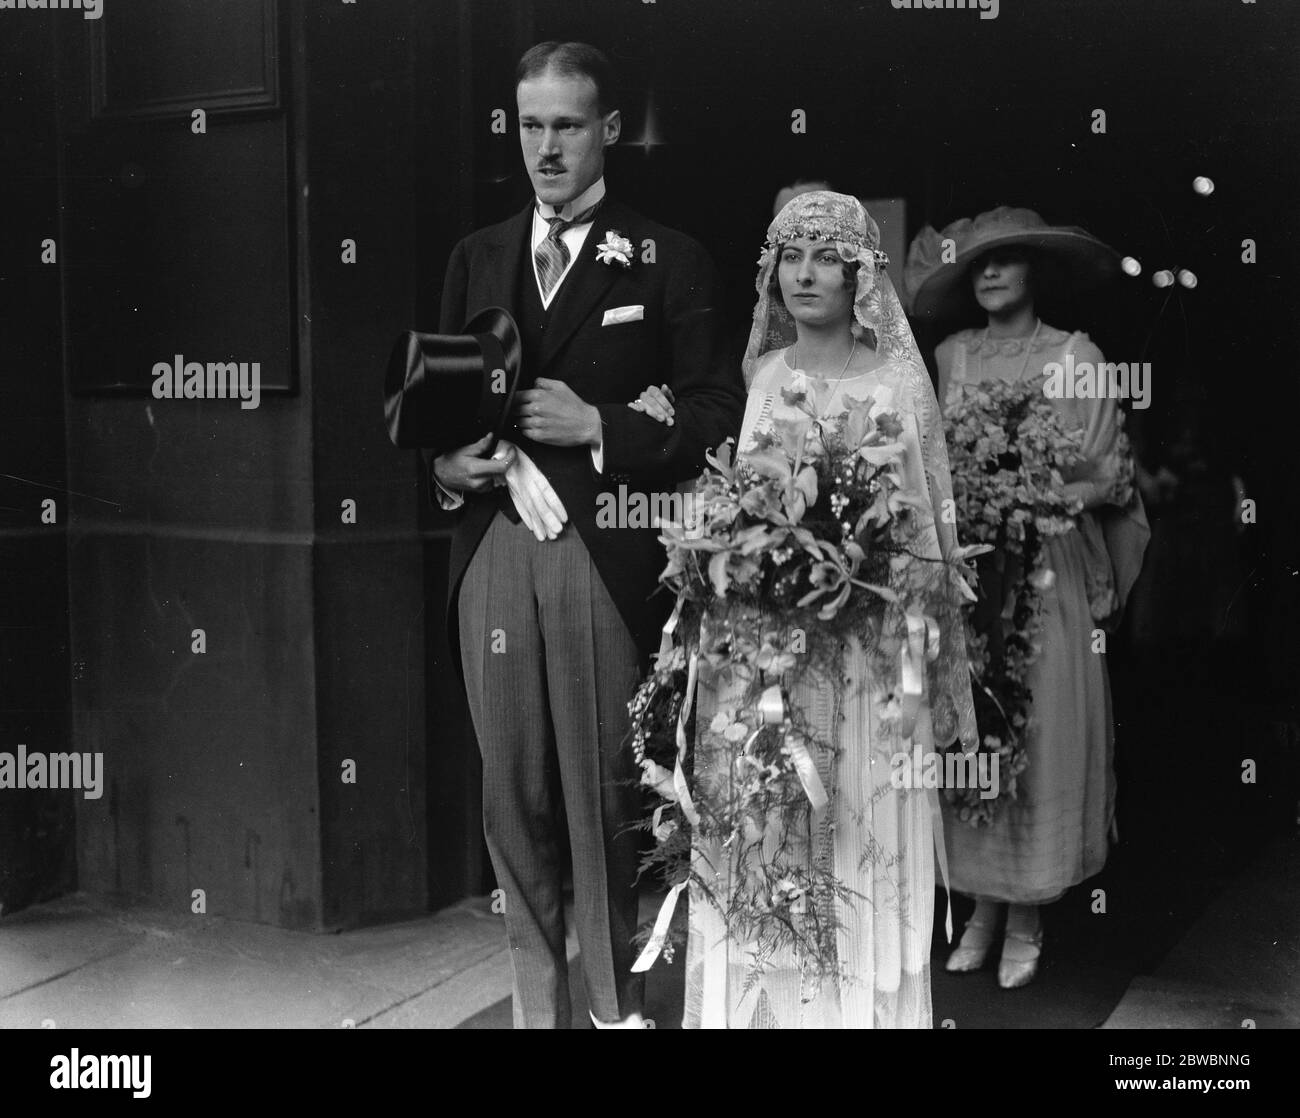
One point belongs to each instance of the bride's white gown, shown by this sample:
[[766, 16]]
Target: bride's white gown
[[877, 839]]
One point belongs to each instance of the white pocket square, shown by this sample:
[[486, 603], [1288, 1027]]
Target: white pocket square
[[616, 315]]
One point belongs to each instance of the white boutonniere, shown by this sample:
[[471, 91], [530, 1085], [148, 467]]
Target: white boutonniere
[[615, 248]]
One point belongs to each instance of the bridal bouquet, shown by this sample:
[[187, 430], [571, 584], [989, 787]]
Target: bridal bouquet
[[1008, 449], [809, 540]]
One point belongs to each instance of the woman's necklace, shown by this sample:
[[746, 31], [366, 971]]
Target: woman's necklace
[[1029, 352], [853, 349]]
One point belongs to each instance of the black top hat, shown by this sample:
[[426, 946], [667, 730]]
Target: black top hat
[[448, 390]]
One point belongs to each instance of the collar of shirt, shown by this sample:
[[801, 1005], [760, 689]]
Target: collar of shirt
[[588, 198]]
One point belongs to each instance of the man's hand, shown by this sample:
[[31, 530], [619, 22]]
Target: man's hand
[[465, 470], [539, 508], [552, 413]]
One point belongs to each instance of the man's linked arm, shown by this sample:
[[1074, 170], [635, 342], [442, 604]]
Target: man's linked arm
[[709, 395]]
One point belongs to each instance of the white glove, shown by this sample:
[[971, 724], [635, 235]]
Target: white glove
[[539, 508]]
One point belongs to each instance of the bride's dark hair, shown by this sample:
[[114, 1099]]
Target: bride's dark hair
[[850, 275]]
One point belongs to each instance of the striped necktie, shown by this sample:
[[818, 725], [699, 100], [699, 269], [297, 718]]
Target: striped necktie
[[552, 254]]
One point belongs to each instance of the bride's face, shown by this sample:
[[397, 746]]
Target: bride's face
[[813, 284]]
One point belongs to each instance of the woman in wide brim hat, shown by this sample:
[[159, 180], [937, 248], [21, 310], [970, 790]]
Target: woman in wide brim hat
[[1055, 832], [936, 278]]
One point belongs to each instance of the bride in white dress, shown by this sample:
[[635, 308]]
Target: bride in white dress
[[827, 310]]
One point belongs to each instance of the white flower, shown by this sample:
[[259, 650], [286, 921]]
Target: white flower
[[788, 889], [660, 779], [615, 248], [1043, 580]]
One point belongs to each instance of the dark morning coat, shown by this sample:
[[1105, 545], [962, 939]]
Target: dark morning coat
[[678, 342]]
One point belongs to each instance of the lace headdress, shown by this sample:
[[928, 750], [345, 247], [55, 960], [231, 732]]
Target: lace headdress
[[841, 219]]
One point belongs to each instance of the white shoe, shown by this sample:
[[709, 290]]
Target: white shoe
[[1019, 963], [973, 949]]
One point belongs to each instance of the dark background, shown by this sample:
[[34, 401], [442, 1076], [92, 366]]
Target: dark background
[[373, 122]]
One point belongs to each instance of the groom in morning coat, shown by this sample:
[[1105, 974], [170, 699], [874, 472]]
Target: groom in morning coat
[[557, 615]]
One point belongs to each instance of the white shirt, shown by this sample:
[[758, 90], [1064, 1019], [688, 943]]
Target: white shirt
[[574, 238]]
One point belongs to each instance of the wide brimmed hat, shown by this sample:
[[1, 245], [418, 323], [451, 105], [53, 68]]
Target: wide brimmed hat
[[443, 391], [935, 287]]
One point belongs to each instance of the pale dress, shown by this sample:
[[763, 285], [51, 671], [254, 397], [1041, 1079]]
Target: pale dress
[[1055, 833], [880, 840]]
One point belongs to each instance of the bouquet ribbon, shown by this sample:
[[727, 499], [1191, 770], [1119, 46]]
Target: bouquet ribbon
[[941, 854], [922, 644], [670, 626], [772, 707], [807, 770], [659, 934], [679, 776]]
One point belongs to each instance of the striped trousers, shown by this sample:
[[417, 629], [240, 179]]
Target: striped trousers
[[549, 668]]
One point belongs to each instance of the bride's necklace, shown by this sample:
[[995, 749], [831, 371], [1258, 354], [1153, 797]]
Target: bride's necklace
[[1029, 351], [852, 350]]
